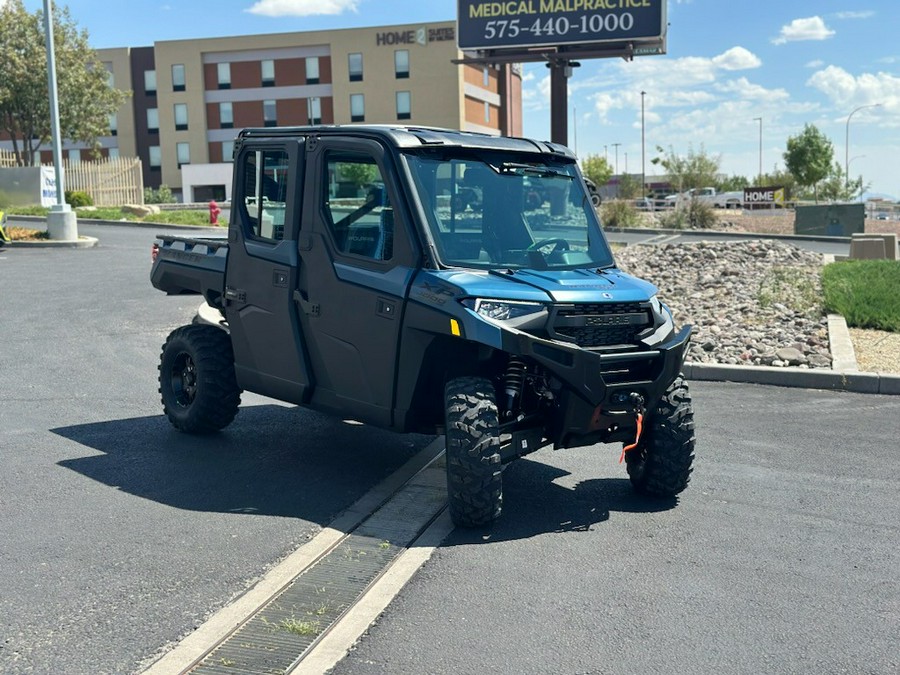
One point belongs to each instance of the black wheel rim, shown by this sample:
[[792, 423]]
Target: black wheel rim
[[184, 379]]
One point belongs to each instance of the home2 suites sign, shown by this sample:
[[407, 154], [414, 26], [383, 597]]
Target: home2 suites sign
[[419, 36]]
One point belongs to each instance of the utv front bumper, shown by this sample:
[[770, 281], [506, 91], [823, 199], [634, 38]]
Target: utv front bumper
[[596, 400]]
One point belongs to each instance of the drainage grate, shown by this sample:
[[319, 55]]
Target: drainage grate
[[276, 637]]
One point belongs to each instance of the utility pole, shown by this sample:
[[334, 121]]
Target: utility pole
[[643, 150], [61, 221], [759, 175], [847, 142], [616, 146]]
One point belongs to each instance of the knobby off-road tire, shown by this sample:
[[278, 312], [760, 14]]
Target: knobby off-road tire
[[199, 391], [474, 481], [661, 464]]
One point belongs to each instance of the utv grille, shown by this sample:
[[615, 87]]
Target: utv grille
[[601, 325]]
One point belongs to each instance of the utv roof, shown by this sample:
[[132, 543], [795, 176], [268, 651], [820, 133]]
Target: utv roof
[[409, 137]]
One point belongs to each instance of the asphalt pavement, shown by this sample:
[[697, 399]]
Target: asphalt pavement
[[120, 535]]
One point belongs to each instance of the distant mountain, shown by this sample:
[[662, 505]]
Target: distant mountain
[[878, 196]]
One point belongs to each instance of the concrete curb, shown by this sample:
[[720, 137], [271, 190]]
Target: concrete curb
[[804, 378], [81, 242]]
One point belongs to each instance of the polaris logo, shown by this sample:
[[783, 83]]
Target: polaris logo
[[616, 320]]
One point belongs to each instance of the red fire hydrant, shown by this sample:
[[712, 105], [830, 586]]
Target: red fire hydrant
[[214, 212]]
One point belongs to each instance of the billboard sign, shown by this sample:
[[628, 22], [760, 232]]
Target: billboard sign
[[536, 23], [764, 195]]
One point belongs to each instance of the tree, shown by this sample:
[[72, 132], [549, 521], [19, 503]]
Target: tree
[[597, 169], [629, 187], [86, 99], [695, 170], [836, 188], [808, 157], [732, 184]]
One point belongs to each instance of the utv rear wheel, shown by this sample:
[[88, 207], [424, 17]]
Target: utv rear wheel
[[199, 391], [474, 481], [661, 464]]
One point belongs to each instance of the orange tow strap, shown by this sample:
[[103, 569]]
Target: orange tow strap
[[637, 437]]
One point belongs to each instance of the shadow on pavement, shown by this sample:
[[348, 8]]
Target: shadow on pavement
[[271, 460], [533, 504]]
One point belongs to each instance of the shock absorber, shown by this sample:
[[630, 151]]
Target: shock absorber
[[515, 381]]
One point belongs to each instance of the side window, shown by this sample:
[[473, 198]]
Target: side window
[[358, 210], [264, 188]]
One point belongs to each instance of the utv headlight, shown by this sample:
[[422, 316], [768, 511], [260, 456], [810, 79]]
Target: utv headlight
[[502, 310]]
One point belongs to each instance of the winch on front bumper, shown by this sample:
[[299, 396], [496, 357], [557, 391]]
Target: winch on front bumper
[[596, 401]]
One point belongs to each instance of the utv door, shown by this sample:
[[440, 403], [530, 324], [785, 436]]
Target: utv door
[[261, 274], [355, 271]]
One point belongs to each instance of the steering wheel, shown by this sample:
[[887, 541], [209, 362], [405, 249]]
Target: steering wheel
[[559, 244]]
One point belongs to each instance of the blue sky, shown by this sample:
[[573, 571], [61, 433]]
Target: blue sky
[[728, 62]]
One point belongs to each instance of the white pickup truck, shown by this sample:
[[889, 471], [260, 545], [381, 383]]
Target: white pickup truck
[[719, 200]]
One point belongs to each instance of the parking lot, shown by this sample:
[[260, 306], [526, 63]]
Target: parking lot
[[121, 535]]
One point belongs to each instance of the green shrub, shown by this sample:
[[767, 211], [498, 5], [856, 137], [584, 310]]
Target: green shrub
[[76, 198], [161, 196], [693, 214], [864, 292], [619, 213]]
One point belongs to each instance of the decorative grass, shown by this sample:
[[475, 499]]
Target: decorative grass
[[865, 292]]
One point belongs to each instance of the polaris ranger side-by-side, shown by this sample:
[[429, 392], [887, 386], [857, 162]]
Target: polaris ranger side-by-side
[[433, 281]]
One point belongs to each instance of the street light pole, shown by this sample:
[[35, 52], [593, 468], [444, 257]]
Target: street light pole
[[759, 176], [847, 141], [618, 180], [61, 221], [643, 150]]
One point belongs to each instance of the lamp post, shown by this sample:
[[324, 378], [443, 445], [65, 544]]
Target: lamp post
[[759, 175], [616, 146], [847, 141], [643, 148], [61, 221], [852, 159]]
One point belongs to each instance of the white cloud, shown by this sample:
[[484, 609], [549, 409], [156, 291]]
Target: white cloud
[[302, 7], [846, 90], [812, 28], [749, 91], [865, 14], [737, 58], [816, 63]]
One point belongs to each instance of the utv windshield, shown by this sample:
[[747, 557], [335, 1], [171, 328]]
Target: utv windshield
[[499, 210]]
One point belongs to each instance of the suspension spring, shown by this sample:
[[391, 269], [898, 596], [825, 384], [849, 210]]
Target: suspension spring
[[515, 382]]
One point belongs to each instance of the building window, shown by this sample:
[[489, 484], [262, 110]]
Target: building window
[[113, 153], [357, 108], [401, 63], [404, 106], [226, 115], [487, 112], [227, 151], [152, 120], [178, 77], [183, 152], [150, 82], [486, 77], [267, 69], [181, 116], [113, 125], [155, 157], [74, 157], [312, 70], [270, 113], [314, 106], [356, 67], [110, 78], [223, 71]]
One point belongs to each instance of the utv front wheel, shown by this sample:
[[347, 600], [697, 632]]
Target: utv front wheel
[[474, 481], [661, 463], [196, 379]]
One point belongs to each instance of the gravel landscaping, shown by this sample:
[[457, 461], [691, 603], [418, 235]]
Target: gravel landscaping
[[750, 302]]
